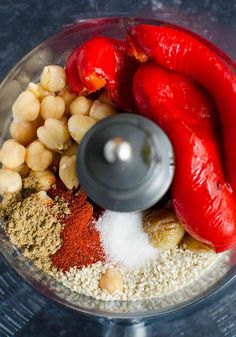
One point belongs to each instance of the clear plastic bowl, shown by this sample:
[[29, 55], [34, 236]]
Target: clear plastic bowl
[[55, 51]]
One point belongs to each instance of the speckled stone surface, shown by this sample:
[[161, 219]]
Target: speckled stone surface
[[23, 25]]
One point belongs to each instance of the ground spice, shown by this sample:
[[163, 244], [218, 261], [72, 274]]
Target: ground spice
[[81, 245], [32, 227]]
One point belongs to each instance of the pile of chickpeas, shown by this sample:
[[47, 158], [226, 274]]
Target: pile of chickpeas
[[48, 123]]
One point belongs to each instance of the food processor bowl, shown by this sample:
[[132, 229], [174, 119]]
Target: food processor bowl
[[55, 51]]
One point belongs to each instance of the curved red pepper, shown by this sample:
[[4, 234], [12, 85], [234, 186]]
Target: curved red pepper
[[103, 62], [202, 199], [181, 52], [72, 75]]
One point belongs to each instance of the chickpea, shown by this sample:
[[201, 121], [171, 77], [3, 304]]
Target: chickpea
[[38, 157], [22, 169], [10, 181], [54, 135], [12, 154], [81, 105], [45, 179], [26, 107], [38, 91], [101, 110], [78, 125], [54, 166], [67, 172], [39, 121], [105, 99], [24, 132], [72, 151], [42, 195], [64, 120], [53, 78], [67, 97], [112, 280], [52, 107]]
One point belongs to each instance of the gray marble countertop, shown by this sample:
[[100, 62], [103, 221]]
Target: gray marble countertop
[[23, 25]]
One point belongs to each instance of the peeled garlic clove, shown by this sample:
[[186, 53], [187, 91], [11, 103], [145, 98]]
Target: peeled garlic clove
[[163, 228], [194, 245]]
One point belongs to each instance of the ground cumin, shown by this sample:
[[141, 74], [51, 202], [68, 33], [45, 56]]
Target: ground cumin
[[32, 227]]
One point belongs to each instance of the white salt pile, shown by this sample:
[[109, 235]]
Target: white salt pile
[[124, 240]]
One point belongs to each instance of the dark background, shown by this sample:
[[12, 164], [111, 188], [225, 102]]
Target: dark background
[[23, 25]]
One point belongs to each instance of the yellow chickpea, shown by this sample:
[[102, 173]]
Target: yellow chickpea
[[38, 157], [52, 107], [101, 110], [72, 151], [105, 99], [26, 107], [78, 125], [53, 78], [24, 132], [22, 169], [10, 181], [47, 201], [67, 172], [45, 179], [54, 166], [67, 96], [81, 105], [54, 135], [112, 280], [12, 154], [38, 91]]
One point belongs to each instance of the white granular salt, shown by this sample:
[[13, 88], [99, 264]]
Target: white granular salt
[[124, 240]]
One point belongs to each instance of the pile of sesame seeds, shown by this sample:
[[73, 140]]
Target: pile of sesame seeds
[[171, 271]]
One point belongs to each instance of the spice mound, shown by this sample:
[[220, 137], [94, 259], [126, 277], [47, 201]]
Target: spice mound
[[32, 226], [81, 244]]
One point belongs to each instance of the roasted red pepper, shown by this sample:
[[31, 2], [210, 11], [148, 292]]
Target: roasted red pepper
[[202, 199], [103, 62], [181, 52], [72, 74]]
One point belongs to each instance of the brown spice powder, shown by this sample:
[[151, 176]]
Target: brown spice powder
[[32, 227]]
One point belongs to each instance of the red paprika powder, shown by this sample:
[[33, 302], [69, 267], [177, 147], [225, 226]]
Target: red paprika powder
[[81, 245]]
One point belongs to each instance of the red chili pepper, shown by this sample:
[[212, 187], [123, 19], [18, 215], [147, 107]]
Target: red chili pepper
[[103, 62], [181, 52], [202, 199]]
